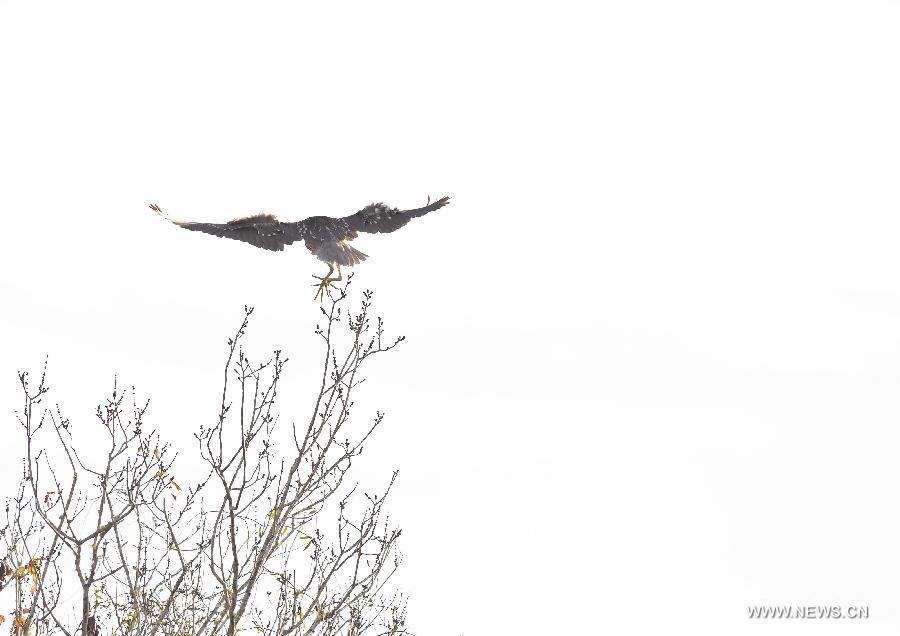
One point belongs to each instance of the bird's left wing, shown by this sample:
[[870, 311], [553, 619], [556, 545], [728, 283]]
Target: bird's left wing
[[261, 230], [378, 217]]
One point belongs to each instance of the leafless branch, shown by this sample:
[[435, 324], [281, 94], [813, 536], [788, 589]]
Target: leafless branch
[[102, 538]]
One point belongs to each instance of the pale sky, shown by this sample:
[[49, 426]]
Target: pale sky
[[653, 364]]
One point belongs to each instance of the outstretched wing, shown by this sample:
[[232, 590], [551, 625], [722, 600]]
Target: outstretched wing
[[261, 230], [378, 217], [318, 232]]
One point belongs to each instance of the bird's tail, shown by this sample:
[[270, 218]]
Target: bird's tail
[[353, 255], [341, 253]]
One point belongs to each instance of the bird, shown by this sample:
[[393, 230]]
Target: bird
[[328, 238]]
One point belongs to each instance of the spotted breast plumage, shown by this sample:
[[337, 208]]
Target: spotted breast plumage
[[328, 238]]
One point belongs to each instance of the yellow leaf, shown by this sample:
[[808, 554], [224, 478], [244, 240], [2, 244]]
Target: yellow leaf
[[156, 453]]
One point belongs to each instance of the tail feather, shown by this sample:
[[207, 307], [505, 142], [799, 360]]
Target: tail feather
[[340, 252]]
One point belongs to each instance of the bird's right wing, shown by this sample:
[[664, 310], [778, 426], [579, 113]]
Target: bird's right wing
[[260, 230]]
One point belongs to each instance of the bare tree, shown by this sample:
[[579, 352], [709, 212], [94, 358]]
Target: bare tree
[[104, 540]]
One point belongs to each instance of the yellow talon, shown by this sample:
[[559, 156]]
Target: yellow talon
[[326, 281]]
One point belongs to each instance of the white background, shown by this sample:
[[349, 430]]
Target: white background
[[654, 343]]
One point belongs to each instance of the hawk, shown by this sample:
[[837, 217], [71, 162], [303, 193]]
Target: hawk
[[328, 238]]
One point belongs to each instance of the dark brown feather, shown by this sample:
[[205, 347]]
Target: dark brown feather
[[379, 218], [326, 237]]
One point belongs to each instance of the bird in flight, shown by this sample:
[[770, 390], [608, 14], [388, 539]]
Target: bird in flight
[[328, 238]]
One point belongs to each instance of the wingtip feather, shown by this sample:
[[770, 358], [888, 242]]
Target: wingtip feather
[[163, 214]]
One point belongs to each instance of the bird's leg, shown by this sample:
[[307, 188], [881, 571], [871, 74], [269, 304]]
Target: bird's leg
[[325, 282], [328, 275]]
